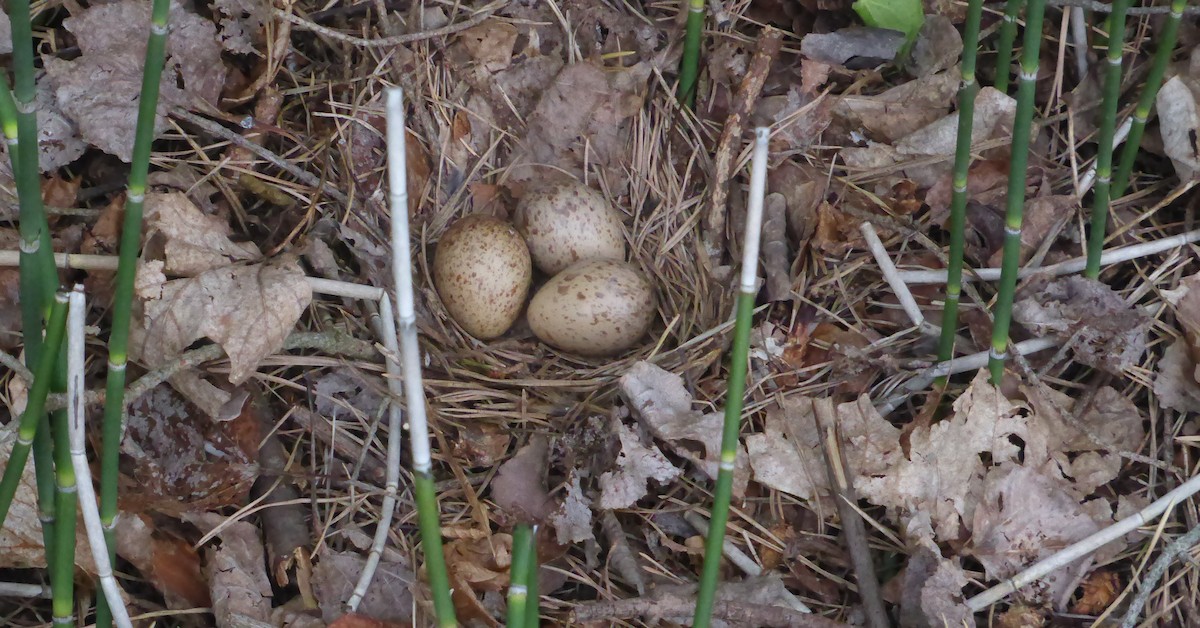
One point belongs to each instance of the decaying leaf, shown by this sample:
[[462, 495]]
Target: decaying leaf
[[1179, 121], [242, 23], [490, 44], [660, 401], [636, 463], [236, 570], [520, 485], [856, 47], [572, 520], [21, 545], [1105, 332], [937, 48], [248, 310], [389, 598], [180, 463], [342, 392], [1175, 382], [168, 563], [478, 570], [187, 240], [932, 590], [99, 91], [901, 110]]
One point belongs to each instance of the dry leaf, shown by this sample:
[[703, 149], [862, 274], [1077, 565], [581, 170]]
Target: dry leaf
[[99, 90], [796, 468], [187, 240], [1175, 382], [572, 520], [58, 138], [1099, 592], [937, 48], [1178, 122], [932, 594], [660, 401], [168, 563], [242, 23], [481, 444], [490, 43], [389, 598], [520, 485], [1105, 332], [21, 544], [248, 310], [236, 570], [867, 47], [636, 463], [901, 110]]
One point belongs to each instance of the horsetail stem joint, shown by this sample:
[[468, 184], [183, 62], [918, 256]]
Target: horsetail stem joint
[[135, 195], [997, 354], [114, 365], [1010, 230], [32, 245]]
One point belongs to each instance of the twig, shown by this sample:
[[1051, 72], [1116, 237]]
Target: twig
[[1110, 257], [620, 555], [716, 8], [386, 42], [23, 590], [87, 495], [1173, 550], [220, 131], [1079, 549], [854, 531], [742, 561], [109, 262], [775, 248], [907, 302], [767, 48]]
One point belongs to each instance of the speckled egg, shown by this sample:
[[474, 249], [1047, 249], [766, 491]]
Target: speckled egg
[[565, 223], [482, 272], [594, 308]]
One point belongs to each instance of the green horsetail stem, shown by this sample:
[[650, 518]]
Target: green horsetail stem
[[35, 408], [1004, 44], [131, 236], [1104, 149], [1015, 206], [736, 385], [962, 165], [1141, 113], [531, 581], [689, 66], [518, 577]]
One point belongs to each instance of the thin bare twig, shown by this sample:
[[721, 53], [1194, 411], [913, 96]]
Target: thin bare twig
[[1104, 7], [1172, 551], [385, 42]]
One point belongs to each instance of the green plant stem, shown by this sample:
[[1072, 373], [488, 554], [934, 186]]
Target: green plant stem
[[962, 164], [531, 581], [1004, 45], [706, 594], [1141, 113], [1015, 207], [1104, 149], [518, 588], [62, 566], [35, 409], [689, 68], [431, 535], [131, 233]]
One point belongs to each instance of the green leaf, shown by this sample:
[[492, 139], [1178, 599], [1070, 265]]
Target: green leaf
[[905, 16]]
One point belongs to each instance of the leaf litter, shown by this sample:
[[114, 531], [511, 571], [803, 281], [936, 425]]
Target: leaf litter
[[972, 493]]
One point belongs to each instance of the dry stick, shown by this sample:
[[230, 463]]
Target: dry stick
[[385, 326], [1104, 7], [765, 52], [1112, 256], [742, 561], [1173, 550], [907, 302], [775, 248], [1082, 548], [387, 42], [619, 553], [23, 590], [76, 410], [853, 528]]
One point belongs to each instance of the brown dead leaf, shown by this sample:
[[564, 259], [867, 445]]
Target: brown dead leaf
[[932, 590], [236, 570], [242, 23], [21, 544], [1179, 121], [356, 620], [248, 310], [635, 464], [1185, 302], [583, 117], [661, 402], [987, 182], [520, 485], [1025, 514], [1105, 332], [901, 110], [181, 463], [189, 241], [389, 598], [478, 567], [1175, 382], [1100, 590], [58, 138], [481, 444], [490, 43], [572, 520], [853, 47], [168, 563], [99, 90], [937, 48]]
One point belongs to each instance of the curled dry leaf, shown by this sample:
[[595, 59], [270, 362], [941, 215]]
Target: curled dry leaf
[[248, 310], [1175, 381], [1104, 331], [572, 520], [520, 485], [187, 240], [168, 563], [856, 47], [901, 110], [1179, 121], [660, 401], [236, 571], [242, 23], [932, 590], [99, 91], [937, 48], [635, 465]]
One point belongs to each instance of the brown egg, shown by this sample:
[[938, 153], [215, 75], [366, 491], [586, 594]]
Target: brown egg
[[566, 223], [482, 272], [594, 308]]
